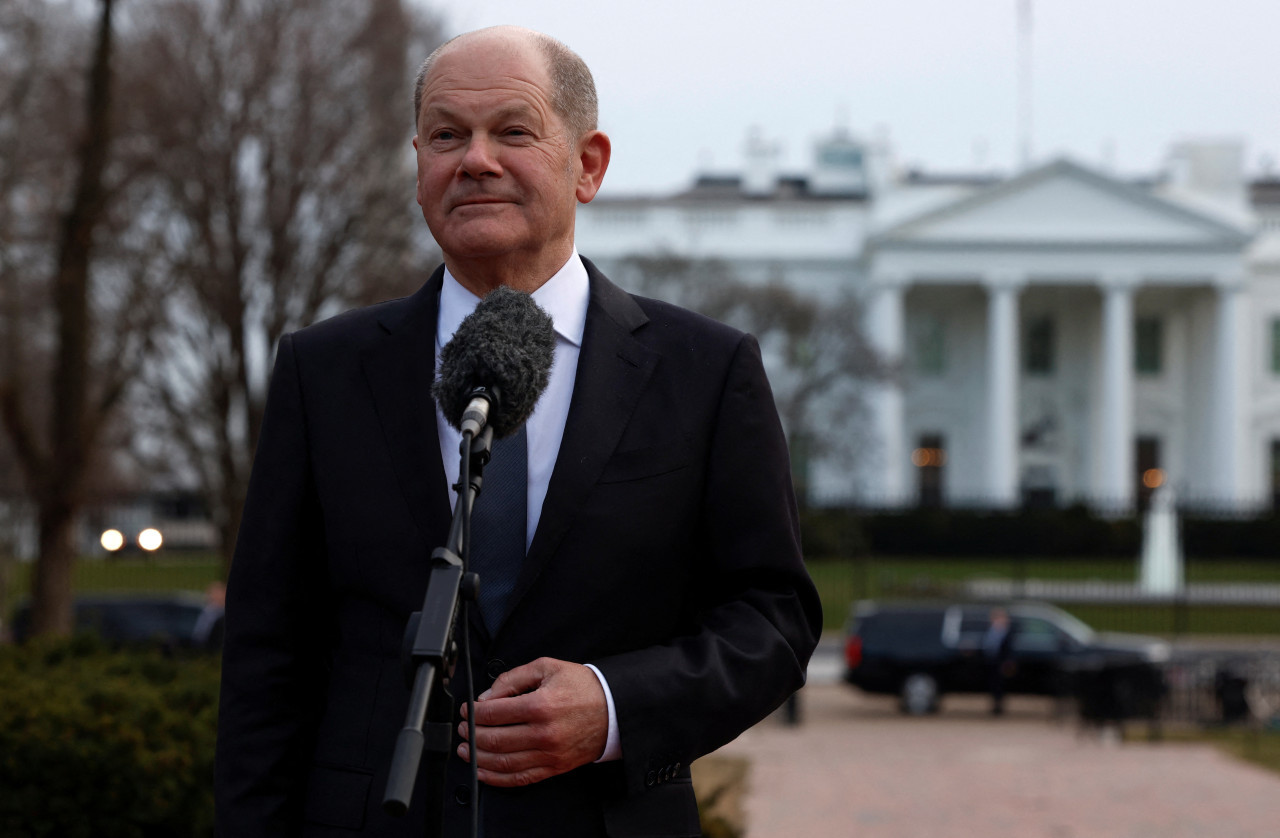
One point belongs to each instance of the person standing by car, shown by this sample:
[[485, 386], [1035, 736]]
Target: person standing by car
[[207, 634], [997, 648]]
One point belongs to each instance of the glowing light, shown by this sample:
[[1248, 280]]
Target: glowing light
[[923, 457], [111, 540], [150, 539], [1153, 478]]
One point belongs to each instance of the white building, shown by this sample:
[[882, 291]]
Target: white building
[[1064, 336]]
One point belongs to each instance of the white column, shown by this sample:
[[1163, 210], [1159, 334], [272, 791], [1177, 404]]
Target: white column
[[885, 328], [1002, 391], [1226, 423], [1115, 442]]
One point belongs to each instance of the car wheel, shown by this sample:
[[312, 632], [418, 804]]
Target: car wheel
[[919, 694]]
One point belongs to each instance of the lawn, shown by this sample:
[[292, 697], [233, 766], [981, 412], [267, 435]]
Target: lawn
[[178, 571], [840, 582]]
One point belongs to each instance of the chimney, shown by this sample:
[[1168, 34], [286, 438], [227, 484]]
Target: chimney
[[761, 175]]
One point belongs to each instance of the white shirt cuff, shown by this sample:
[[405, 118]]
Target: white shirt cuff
[[612, 745]]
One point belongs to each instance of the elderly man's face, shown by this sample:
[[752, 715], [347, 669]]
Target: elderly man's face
[[498, 172]]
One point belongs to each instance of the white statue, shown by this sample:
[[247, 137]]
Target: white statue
[[1161, 572]]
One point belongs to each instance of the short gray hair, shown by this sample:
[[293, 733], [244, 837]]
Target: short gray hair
[[573, 90]]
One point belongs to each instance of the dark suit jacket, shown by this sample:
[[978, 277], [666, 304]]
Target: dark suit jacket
[[667, 554]]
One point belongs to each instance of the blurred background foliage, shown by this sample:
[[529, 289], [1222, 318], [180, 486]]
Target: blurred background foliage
[[182, 182], [96, 743]]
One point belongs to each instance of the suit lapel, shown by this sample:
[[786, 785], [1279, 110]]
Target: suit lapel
[[613, 370], [400, 369]]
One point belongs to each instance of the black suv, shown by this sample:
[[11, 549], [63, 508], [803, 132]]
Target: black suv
[[167, 620], [921, 652]]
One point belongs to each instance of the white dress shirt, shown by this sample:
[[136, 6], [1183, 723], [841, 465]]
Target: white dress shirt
[[564, 297]]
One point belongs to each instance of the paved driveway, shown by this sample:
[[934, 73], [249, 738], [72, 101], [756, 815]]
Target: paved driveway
[[855, 767]]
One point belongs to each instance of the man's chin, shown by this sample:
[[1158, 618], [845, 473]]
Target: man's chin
[[487, 243]]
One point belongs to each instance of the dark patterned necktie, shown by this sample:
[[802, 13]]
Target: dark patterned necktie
[[498, 526]]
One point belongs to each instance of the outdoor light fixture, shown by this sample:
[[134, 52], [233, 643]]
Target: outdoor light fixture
[[1153, 478], [112, 540], [150, 539], [929, 457]]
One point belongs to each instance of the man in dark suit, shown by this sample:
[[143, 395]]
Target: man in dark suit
[[662, 606], [997, 649]]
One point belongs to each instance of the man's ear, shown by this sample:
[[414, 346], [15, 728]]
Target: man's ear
[[593, 154]]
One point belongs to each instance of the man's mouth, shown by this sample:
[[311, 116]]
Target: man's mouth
[[481, 200]]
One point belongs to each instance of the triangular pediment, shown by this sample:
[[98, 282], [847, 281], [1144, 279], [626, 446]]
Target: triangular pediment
[[1063, 204]]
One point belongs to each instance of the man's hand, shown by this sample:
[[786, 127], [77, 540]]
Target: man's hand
[[538, 720]]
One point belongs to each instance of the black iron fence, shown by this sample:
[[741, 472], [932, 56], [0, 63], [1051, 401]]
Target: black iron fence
[[1216, 684]]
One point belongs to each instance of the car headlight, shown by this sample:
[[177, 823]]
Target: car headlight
[[150, 539]]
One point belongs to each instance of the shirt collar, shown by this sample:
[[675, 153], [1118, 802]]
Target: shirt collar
[[564, 297]]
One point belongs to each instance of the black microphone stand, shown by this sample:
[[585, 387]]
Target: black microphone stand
[[431, 652]]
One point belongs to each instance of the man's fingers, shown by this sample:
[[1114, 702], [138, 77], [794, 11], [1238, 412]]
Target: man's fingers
[[509, 770], [505, 763], [510, 739], [517, 681], [508, 711], [539, 720]]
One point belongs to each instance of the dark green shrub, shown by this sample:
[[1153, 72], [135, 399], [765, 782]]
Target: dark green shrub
[[105, 744], [832, 532], [1074, 531], [1224, 536]]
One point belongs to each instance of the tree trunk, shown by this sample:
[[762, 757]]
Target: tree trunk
[[51, 611], [71, 432], [229, 527]]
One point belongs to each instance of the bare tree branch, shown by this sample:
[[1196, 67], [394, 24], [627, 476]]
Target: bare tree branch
[[287, 173], [817, 357]]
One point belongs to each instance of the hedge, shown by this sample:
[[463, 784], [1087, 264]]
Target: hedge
[[1074, 531], [97, 743]]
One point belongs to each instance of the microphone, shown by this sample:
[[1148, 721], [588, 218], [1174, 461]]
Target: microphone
[[497, 364]]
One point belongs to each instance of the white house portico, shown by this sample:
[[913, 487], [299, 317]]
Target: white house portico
[[1100, 327], [1062, 336]]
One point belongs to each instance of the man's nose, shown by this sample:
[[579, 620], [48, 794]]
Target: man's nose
[[481, 157]]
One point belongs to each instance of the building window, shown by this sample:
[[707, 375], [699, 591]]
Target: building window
[[1039, 487], [801, 217], [1275, 345], [930, 346], [929, 458], [711, 217], [1039, 357], [1148, 346], [1150, 475], [1275, 474]]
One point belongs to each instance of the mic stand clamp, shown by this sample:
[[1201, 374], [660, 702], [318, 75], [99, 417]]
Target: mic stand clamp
[[430, 652]]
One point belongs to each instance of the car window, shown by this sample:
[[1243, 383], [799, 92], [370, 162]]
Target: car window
[[973, 628], [1073, 628], [138, 620], [1032, 634], [900, 630]]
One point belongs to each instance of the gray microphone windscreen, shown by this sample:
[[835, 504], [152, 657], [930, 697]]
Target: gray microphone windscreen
[[507, 344]]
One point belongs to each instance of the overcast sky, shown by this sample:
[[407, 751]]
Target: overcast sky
[[1114, 82]]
